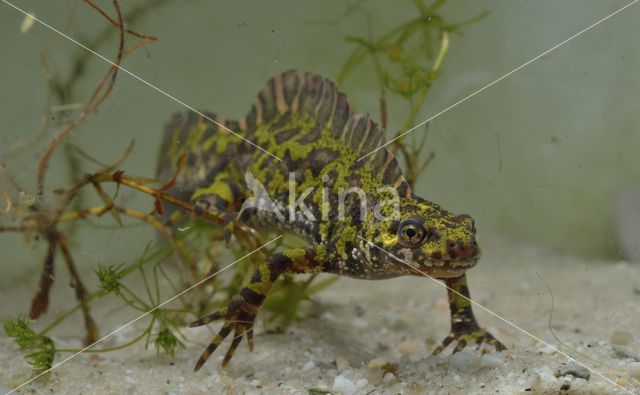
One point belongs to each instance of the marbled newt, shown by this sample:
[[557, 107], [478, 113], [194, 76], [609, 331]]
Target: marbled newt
[[309, 124]]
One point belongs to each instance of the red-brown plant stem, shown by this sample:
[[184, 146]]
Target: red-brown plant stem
[[81, 291]]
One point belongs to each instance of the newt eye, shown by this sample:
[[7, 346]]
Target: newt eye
[[411, 233]]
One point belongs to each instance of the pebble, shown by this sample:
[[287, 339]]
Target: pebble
[[376, 363], [621, 338], [566, 385], [374, 376], [463, 360], [626, 352], [573, 369], [344, 385], [633, 370], [408, 347], [342, 363], [546, 375], [491, 361], [414, 388], [308, 366], [389, 378], [227, 381]]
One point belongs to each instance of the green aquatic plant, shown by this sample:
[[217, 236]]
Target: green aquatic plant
[[407, 59], [167, 342], [39, 350], [284, 304], [109, 278]]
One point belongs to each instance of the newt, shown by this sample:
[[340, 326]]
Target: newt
[[304, 120]]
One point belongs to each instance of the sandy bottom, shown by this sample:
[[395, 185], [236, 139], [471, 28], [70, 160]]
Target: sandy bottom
[[376, 337]]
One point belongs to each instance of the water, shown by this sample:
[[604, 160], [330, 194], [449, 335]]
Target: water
[[539, 159]]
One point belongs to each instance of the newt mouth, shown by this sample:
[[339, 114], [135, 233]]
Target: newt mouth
[[445, 272], [449, 268]]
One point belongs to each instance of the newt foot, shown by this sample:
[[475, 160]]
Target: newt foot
[[239, 317], [463, 340]]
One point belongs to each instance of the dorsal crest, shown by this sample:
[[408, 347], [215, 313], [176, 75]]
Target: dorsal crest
[[314, 96]]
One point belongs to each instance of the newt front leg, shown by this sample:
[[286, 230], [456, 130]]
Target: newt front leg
[[464, 327], [240, 313]]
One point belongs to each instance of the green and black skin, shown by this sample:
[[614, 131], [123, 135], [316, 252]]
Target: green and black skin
[[307, 122]]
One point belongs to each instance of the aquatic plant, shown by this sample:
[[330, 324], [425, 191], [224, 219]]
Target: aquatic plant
[[407, 60]]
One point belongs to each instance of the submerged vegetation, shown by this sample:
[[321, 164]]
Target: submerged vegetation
[[39, 349], [407, 60]]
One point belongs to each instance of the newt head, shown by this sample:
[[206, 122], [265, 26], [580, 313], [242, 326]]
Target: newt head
[[430, 239]]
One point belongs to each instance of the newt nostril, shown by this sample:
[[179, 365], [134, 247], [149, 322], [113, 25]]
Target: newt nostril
[[459, 250], [452, 250]]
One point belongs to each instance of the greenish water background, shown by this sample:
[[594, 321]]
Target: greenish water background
[[537, 158]]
